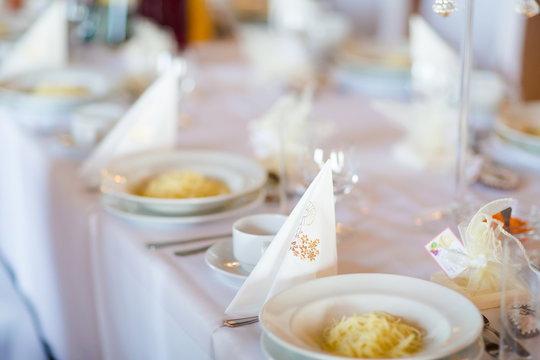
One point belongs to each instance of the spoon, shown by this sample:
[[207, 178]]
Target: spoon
[[240, 321], [509, 341]]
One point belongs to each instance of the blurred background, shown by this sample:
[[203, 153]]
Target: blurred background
[[352, 32]]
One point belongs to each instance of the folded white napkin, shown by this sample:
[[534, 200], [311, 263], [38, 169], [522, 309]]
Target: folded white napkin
[[430, 133], [151, 123], [43, 45], [435, 64], [286, 121], [286, 127], [141, 54], [276, 56], [303, 249]]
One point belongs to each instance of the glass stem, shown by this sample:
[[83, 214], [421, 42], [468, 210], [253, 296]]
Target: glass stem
[[282, 163], [463, 120]]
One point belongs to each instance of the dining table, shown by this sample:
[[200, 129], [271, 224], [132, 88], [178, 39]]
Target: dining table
[[100, 292]]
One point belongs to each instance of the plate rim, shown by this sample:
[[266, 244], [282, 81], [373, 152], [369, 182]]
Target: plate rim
[[226, 242], [363, 277], [503, 129], [478, 345], [187, 219]]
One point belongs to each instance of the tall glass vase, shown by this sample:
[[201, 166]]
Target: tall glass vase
[[461, 206]]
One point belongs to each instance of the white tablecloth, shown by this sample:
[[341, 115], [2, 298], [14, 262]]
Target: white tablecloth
[[44, 238], [100, 294]]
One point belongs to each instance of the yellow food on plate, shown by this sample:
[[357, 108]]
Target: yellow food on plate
[[60, 90], [374, 335], [182, 185]]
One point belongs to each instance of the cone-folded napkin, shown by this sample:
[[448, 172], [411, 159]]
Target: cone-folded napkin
[[303, 249], [43, 46], [151, 123]]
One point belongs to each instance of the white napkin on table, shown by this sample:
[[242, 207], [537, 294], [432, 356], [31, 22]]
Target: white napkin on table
[[435, 64], [276, 56], [43, 45], [151, 123], [287, 121], [430, 133], [303, 249]]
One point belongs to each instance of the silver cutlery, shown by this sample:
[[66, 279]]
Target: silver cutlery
[[192, 251], [509, 341], [232, 323], [162, 244]]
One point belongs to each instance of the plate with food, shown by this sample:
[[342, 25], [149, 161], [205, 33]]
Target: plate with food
[[182, 182], [520, 125], [53, 91], [371, 316], [274, 351]]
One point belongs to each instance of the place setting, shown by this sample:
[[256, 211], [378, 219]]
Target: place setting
[[308, 311], [36, 80], [142, 174]]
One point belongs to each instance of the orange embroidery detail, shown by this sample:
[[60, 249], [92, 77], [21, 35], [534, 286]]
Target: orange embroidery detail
[[305, 248]]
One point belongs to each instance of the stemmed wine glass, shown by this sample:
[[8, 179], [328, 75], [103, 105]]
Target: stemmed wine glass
[[345, 173]]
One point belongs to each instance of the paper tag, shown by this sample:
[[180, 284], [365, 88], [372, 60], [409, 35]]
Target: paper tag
[[441, 246]]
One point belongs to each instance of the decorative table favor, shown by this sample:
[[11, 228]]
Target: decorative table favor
[[474, 267]]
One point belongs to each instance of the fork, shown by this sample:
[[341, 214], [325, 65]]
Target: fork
[[192, 251]]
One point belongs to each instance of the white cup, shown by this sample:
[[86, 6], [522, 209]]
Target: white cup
[[91, 122], [252, 236]]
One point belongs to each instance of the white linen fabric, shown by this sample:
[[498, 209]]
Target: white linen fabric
[[151, 123], [44, 45], [19, 338], [302, 250], [44, 239]]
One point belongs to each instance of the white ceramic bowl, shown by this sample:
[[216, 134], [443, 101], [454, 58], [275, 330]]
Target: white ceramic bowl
[[242, 175], [18, 92], [513, 122], [295, 318]]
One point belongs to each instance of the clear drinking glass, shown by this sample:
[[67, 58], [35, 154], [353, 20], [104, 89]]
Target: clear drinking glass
[[520, 300], [344, 158]]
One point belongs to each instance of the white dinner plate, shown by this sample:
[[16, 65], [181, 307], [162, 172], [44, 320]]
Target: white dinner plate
[[520, 125], [220, 257], [235, 208], [272, 350], [296, 318], [19, 92], [242, 175]]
